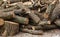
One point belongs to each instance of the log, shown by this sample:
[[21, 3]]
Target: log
[[44, 22], [35, 32], [6, 15], [21, 20], [50, 8], [44, 27], [20, 11], [56, 13], [9, 9], [31, 14], [11, 28], [40, 15], [34, 17], [57, 22]]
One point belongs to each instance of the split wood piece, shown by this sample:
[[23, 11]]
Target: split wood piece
[[56, 13], [6, 15], [11, 28], [35, 32], [1, 22], [57, 22], [44, 27], [21, 20], [50, 8], [44, 22]]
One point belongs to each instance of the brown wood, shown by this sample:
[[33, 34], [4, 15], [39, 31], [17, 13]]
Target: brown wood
[[35, 32], [1, 22], [7, 15], [11, 28], [21, 20], [44, 27]]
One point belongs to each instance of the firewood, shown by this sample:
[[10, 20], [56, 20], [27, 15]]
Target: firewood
[[6, 15], [21, 20], [44, 27], [50, 8], [11, 28]]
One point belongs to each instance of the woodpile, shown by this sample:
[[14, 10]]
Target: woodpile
[[31, 16]]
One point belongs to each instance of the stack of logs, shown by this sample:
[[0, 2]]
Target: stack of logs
[[31, 16]]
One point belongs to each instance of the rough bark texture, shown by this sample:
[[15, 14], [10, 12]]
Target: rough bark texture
[[22, 20], [11, 28], [6, 15]]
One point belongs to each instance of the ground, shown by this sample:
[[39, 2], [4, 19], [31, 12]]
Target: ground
[[52, 33]]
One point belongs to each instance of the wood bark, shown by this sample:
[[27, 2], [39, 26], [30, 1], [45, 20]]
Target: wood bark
[[11, 28], [21, 20]]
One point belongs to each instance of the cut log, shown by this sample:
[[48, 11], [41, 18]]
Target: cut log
[[11, 28], [34, 17], [6, 15], [56, 13], [21, 20], [50, 8]]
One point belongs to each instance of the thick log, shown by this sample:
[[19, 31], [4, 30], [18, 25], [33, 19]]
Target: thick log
[[6, 15], [35, 32], [50, 8], [56, 13], [21, 20], [11, 28], [34, 17]]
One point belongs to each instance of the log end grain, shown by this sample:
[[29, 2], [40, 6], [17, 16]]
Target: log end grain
[[1, 22]]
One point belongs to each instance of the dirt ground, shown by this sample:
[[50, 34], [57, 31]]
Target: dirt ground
[[52, 33]]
